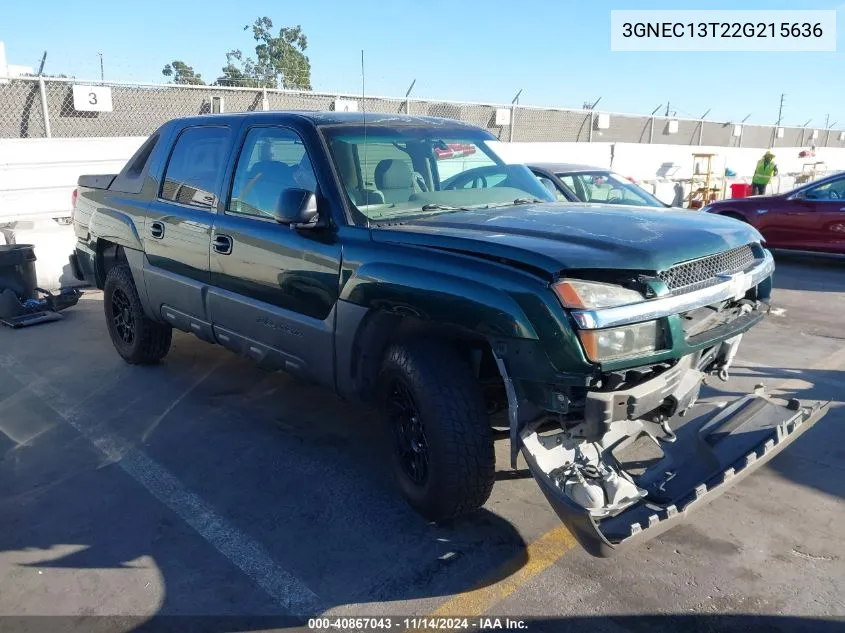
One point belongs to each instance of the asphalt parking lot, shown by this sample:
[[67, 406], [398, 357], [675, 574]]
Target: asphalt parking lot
[[210, 489]]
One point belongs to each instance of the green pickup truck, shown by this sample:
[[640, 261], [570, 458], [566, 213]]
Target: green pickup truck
[[401, 261]]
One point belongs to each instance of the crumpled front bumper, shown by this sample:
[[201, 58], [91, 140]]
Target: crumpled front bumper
[[711, 454]]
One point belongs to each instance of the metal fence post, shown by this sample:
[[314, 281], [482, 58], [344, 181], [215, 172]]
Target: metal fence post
[[590, 137], [43, 90], [407, 106], [701, 133], [513, 122], [265, 103], [651, 132]]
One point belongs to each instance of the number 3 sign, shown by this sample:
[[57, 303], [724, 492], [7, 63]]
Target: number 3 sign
[[92, 99]]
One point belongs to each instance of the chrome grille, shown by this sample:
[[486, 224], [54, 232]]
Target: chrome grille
[[700, 273]]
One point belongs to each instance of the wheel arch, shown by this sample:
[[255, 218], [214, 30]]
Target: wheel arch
[[736, 215], [109, 254], [379, 329]]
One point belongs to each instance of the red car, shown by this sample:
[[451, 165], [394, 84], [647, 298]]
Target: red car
[[809, 218]]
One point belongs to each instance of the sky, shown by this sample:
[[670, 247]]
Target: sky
[[556, 51]]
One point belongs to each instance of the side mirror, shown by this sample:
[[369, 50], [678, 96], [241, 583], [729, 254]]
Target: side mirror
[[297, 208]]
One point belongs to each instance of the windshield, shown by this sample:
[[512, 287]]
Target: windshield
[[400, 172], [607, 188]]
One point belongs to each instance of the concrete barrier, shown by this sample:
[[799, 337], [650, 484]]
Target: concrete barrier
[[37, 176]]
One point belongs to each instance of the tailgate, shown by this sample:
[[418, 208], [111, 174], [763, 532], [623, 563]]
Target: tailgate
[[711, 453]]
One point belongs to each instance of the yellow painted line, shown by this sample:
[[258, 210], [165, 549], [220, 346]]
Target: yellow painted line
[[538, 556]]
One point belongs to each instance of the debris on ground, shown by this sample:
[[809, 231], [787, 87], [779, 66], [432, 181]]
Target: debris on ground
[[22, 303]]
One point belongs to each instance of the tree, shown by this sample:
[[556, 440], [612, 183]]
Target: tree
[[280, 60], [182, 73]]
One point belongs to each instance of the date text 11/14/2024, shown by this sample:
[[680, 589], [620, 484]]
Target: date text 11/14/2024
[[419, 623]]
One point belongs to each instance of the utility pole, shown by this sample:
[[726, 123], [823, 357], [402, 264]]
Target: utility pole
[[667, 108], [102, 74], [42, 88], [780, 109]]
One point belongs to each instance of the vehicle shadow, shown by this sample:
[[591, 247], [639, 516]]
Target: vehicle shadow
[[284, 463], [817, 458]]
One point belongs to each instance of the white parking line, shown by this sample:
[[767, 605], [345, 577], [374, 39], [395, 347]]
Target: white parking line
[[291, 593]]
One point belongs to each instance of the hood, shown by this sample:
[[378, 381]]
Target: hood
[[558, 236]]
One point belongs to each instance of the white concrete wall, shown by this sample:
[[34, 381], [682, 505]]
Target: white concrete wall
[[37, 176]]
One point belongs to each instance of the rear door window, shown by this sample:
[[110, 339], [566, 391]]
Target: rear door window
[[130, 179], [196, 166]]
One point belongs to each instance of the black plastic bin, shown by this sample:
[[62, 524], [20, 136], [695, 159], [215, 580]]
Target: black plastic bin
[[17, 270]]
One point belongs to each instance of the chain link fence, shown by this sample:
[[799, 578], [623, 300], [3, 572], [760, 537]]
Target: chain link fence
[[37, 108]]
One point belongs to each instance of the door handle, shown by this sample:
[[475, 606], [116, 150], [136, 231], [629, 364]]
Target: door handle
[[222, 244], [157, 230]]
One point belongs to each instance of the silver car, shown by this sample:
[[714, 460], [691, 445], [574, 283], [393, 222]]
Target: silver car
[[582, 183]]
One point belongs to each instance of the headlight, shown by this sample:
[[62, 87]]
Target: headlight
[[621, 342], [590, 295]]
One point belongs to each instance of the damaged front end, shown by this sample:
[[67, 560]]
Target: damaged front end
[[623, 475], [620, 466]]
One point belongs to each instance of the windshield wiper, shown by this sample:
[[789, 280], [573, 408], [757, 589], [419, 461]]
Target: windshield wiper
[[440, 207], [518, 201]]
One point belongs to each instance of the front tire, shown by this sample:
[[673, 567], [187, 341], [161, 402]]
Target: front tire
[[137, 338], [438, 428]]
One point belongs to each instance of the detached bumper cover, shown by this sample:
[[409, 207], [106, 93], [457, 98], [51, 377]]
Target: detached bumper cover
[[711, 454]]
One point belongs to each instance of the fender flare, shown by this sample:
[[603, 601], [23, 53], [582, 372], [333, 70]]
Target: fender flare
[[116, 227], [438, 297]]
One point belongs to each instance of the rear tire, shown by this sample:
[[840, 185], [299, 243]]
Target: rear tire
[[438, 428], [137, 338]]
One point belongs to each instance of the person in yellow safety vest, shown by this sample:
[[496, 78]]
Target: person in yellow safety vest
[[763, 173]]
